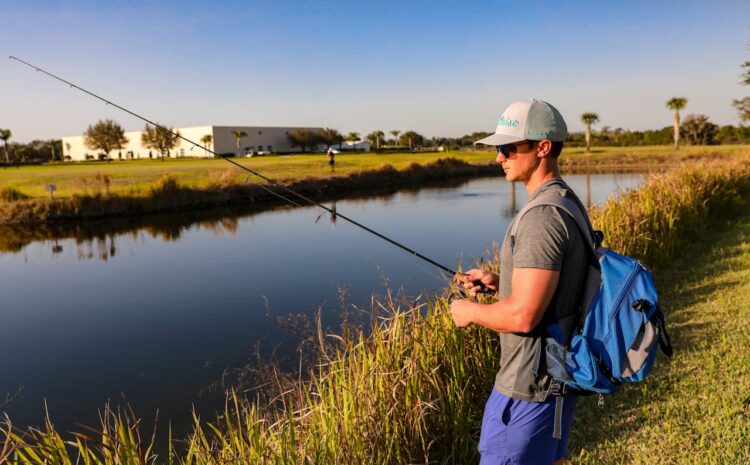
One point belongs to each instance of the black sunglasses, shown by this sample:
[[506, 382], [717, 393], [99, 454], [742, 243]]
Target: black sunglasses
[[511, 149]]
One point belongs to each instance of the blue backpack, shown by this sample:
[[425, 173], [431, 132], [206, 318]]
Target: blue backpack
[[614, 337]]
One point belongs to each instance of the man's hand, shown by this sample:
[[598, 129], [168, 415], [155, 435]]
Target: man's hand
[[461, 311], [475, 280]]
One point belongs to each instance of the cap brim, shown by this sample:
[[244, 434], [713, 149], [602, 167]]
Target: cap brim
[[498, 139]]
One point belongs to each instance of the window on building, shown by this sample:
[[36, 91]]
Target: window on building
[[269, 148]]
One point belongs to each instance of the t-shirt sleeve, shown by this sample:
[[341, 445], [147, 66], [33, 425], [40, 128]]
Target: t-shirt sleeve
[[541, 239]]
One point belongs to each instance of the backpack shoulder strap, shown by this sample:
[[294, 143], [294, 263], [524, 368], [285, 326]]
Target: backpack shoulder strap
[[566, 204]]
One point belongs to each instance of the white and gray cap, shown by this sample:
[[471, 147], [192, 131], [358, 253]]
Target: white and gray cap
[[528, 120]]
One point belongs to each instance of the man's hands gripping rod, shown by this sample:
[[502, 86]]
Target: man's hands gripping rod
[[476, 281], [469, 284]]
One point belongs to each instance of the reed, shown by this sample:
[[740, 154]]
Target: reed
[[411, 390], [656, 221]]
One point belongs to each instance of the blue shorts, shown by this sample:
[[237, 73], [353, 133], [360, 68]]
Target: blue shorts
[[515, 432]]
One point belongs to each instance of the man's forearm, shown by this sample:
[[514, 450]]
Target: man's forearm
[[502, 316]]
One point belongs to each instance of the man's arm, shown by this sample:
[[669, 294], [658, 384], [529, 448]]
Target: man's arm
[[531, 293]]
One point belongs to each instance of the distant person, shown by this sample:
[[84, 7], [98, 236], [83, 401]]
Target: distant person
[[542, 271], [331, 161]]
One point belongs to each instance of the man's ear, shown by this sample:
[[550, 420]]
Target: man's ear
[[544, 147]]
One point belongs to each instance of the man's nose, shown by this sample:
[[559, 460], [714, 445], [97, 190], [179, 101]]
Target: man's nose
[[500, 157]]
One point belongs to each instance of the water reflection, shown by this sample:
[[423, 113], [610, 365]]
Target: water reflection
[[102, 248], [96, 238]]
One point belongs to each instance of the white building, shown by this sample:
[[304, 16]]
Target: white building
[[258, 139], [356, 146]]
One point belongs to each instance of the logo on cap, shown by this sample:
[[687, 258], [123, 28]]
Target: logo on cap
[[507, 122], [533, 132]]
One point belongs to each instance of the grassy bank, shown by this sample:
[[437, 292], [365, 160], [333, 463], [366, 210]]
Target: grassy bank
[[170, 226], [172, 195], [134, 177], [694, 409], [413, 391], [95, 190], [649, 158]]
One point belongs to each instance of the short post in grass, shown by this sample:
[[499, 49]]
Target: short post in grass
[[51, 188]]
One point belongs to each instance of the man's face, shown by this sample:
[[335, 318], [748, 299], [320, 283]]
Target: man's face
[[518, 160]]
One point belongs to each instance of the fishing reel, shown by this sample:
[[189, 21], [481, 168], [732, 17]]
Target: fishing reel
[[459, 293]]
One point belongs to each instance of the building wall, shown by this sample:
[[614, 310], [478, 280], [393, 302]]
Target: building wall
[[266, 139]]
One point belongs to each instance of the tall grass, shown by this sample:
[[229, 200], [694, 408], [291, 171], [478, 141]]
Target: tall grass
[[657, 220], [412, 391]]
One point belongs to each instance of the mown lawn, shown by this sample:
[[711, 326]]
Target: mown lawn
[[695, 408], [135, 176]]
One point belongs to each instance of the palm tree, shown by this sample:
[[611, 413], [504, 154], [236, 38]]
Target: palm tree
[[207, 139], [676, 104], [239, 135], [353, 137], [589, 119], [375, 137], [378, 137], [412, 138], [395, 134], [5, 134]]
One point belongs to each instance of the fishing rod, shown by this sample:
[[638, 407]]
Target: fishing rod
[[243, 167]]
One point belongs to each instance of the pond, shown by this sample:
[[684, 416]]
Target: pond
[[155, 313]]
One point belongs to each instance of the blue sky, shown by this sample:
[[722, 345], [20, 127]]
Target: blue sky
[[440, 68]]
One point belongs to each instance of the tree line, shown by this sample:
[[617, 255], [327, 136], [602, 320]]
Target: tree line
[[36, 150], [695, 129], [306, 139], [107, 135]]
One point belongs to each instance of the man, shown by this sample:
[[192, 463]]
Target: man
[[542, 270], [331, 161]]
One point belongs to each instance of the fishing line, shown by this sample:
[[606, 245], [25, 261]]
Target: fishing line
[[265, 178]]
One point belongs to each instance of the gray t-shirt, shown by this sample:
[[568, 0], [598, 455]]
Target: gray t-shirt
[[546, 238]]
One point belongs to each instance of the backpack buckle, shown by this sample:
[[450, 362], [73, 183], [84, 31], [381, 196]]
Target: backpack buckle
[[642, 305], [558, 388]]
